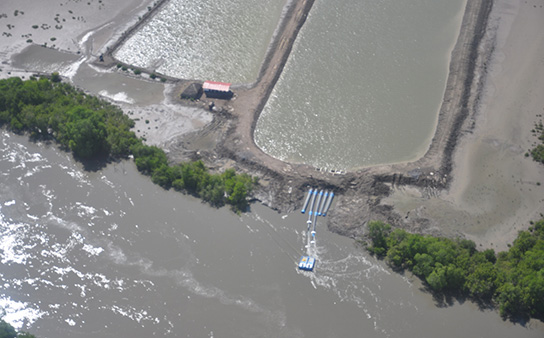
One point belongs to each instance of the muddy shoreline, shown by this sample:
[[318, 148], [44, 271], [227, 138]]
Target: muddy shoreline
[[228, 140]]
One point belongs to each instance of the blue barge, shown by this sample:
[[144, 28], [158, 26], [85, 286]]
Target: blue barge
[[306, 263]]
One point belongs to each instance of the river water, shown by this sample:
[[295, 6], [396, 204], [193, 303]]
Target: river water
[[206, 40], [109, 254], [363, 84]]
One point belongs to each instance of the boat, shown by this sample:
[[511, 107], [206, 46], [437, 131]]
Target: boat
[[307, 263]]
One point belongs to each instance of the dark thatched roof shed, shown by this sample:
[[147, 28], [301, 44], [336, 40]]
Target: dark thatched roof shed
[[192, 92]]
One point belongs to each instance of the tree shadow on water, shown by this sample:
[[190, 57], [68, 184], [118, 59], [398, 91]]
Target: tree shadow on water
[[445, 299], [95, 164]]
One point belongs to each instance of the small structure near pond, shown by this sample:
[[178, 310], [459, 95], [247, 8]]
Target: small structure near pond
[[218, 90], [192, 92]]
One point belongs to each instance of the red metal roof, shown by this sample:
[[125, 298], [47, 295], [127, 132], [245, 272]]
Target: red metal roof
[[218, 86]]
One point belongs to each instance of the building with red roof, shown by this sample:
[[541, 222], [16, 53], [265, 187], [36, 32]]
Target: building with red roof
[[220, 90]]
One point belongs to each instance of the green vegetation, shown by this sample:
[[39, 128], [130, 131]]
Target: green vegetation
[[7, 331], [89, 127], [513, 279], [538, 151], [55, 77], [194, 178], [94, 129]]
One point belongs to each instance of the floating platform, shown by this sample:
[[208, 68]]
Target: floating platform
[[306, 263]]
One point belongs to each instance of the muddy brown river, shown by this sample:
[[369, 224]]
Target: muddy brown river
[[109, 254]]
